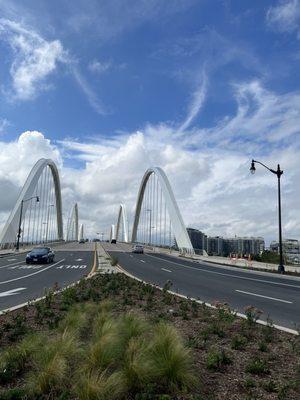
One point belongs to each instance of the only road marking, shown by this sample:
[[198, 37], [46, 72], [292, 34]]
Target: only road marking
[[11, 292], [167, 270], [33, 273]]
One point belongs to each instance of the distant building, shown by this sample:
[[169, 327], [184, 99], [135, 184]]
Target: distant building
[[291, 246], [198, 240], [218, 246], [215, 246]]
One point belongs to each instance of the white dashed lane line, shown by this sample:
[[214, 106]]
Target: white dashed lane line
[[265, 297], [167, 270], [142, 261]]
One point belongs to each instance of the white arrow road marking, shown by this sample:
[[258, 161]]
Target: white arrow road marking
[[265, 297], [11, 292], [33, 273], [167, 270]]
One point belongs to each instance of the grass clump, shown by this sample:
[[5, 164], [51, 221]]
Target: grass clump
[[216, 360], [51, 364], [100, 386], [257, 366], [239, 342], [170, 361]]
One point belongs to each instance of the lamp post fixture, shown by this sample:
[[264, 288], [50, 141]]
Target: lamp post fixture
[[50, 205], [278, 173], [20, 219]]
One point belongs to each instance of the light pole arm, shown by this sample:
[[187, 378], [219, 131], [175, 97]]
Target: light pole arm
[[278, 172]]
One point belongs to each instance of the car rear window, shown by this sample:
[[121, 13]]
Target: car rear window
[[39, 251]]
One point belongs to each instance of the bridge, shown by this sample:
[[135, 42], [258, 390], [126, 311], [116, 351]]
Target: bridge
[[37, 218]]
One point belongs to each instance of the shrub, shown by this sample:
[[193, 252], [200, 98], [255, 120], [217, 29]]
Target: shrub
[[257, 366], [249, 383], [252, 314], [262, 346], [114, 261], [224, 312], [170, 360], [216, 360], [270, 386], [239, 342], [68, 297]]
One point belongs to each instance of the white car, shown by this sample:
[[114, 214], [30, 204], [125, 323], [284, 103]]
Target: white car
[[138, 248]]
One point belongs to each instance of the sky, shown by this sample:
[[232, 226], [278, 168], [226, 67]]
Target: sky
[[108, 89]]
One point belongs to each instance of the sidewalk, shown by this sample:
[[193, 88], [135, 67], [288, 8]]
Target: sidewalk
[[238, 263], [104, 265]]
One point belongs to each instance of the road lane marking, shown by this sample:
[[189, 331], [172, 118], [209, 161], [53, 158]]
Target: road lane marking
[[131, 255], [11, 259], [265, 297], [11, 292], [167, 270], [15, 263], [70, 266], [79, 259], [34, 273], [223, 274], [142, 261]]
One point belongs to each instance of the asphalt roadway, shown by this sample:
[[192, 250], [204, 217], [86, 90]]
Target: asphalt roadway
[[277, 296], [20, 283]]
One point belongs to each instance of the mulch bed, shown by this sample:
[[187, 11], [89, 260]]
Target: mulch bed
[[233, 358]]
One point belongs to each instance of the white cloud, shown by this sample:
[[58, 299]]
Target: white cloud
[[4, 123], [99, 67], [285, 17], [196, 104], [213, 186], [35, 58], [88, 91]]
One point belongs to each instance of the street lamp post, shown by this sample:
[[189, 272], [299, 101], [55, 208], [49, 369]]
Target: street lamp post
[[278, 173], [20, 219]]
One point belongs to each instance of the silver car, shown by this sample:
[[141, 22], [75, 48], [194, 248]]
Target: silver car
[[138, 248]]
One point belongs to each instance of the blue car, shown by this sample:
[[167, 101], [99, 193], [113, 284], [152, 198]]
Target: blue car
[[40, 255]]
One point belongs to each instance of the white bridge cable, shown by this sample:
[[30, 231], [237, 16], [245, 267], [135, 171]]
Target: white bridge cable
[[157, 218]]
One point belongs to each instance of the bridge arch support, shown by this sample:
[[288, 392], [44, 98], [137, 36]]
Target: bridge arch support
[[122, 223], [73, 225], [10, 230], [182, 238]]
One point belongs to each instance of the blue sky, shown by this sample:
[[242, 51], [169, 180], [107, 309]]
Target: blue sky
[[197, 79]]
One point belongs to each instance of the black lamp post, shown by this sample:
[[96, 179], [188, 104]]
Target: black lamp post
[[20, 219], [278, 173]]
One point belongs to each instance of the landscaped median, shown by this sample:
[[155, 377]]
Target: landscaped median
[[112, 337]]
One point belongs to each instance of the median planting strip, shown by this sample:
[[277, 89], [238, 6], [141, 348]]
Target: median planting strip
[[114, 337]]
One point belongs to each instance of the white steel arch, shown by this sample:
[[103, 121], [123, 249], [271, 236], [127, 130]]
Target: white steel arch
[[112, 234], [180, 232], [73, 225], [10, 230], [122, 216], [81, 232]]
